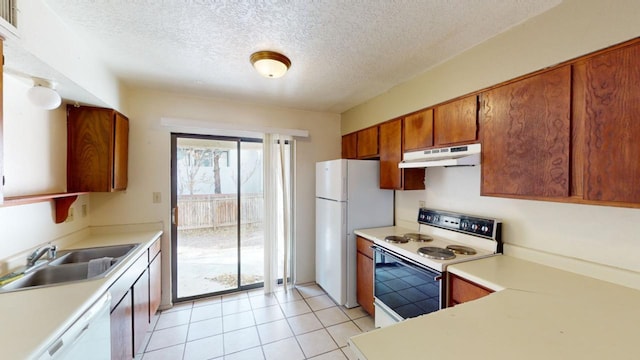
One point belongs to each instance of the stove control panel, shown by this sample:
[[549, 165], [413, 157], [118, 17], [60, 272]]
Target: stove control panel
[[488, 228]]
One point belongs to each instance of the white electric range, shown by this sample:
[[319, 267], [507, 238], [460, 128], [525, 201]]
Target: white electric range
[[409, 265]]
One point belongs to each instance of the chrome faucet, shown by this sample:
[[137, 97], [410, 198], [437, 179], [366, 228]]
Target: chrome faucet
[[38, 253]]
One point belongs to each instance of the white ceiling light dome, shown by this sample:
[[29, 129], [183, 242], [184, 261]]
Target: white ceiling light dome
[[270, 64], [44, 96]]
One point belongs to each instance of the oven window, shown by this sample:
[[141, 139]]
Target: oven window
[[406, 289]]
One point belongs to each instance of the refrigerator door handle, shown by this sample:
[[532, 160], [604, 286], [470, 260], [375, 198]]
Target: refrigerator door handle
[[344, 217], [345, 194]]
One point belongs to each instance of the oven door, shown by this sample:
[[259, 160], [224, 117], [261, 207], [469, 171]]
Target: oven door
[[403, 288]]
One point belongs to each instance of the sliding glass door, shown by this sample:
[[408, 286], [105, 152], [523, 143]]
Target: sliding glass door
[[217, 200]]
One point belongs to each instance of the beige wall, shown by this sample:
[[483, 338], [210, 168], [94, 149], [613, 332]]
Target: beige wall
[[61, 50], [150, 152], [35, 163], [597, 234]]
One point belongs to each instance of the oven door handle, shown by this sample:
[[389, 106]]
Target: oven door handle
[[436, 275]]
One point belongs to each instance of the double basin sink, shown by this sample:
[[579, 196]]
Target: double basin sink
[[73, 265]]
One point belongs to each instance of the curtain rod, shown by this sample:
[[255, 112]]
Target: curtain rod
[[222, 128]]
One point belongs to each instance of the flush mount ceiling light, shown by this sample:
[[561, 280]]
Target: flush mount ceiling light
[[43, 95], [270, 64]]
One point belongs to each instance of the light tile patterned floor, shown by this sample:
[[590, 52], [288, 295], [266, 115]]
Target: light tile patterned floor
[[303, 323]]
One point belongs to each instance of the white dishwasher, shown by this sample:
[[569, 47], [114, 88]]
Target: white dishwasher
[[88, 337]]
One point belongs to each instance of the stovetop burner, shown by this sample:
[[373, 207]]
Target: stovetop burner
[[418, 237], [462, 250], [433, 252], [396, 239]]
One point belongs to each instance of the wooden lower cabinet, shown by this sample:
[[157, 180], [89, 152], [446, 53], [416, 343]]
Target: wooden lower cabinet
[[364, 271], [140, 310], [137, 295], [122, 328], [155, 285], [461, 290]]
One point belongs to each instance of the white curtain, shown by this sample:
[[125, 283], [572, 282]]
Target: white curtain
[[277, 219]]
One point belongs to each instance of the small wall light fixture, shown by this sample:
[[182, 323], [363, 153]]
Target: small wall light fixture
[[270, 64], [43, 95]]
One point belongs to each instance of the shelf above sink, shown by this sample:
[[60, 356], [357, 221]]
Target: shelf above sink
[[62, 202]]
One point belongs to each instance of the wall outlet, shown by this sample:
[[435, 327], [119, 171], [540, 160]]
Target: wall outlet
[[70, 215], [422, 203], [84, 210], [157, 198]]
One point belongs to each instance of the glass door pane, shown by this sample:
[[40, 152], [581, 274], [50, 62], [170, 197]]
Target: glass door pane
[[251, 214], [212, 222]]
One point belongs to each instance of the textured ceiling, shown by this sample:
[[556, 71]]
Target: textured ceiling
[[343, 52]]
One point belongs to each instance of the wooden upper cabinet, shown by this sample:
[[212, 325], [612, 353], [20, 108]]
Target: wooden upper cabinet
[[390, 154], [392, 177], [607, 103], [456, 122], [97, 150], [349, 146], [367, 143], [418, 130], [525, 134]]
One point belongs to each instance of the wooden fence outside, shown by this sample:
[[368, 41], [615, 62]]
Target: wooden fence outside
[[218, 210]]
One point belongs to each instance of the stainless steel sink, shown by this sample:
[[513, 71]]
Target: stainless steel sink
[[84, 255], [71, 265], [50, 275]]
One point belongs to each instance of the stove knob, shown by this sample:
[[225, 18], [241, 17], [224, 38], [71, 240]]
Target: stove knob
[[485, 228], [474, 227]]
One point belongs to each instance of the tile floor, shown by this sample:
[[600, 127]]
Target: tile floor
[[303, 323]]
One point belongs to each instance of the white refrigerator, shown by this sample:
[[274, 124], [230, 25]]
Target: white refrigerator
[[348, 198]]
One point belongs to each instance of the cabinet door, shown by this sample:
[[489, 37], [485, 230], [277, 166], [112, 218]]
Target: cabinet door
[[89, 154], [392, 177], [349, 146], [367, 143], [122, 329], [525, 133], [120, 152], [609, 101], [364, 271], [418, 131], [155, 285], [140, 310], [97, 149], [390, 154], [462, 290], [456, 122]]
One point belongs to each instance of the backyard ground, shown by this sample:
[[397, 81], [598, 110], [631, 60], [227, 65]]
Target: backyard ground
[[208, 259]]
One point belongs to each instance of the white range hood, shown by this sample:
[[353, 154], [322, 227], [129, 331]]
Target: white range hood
[[463, 155]]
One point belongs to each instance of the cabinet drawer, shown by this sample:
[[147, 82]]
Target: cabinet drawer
[[364, 246], [121, 286]]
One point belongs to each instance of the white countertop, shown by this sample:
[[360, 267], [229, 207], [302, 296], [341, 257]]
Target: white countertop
[[32, 319], [537, 312]]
